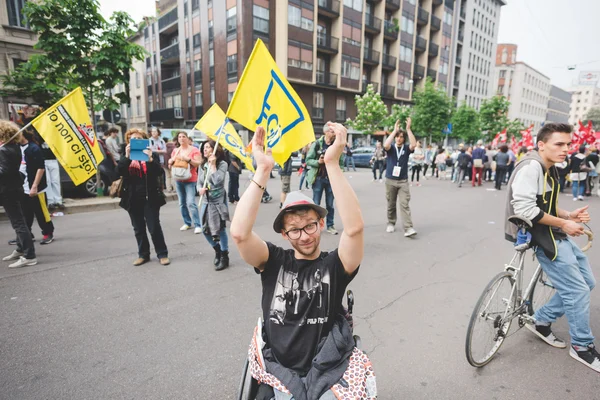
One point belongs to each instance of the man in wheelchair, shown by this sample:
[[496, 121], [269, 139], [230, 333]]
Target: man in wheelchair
[[309, 350], [533, 194]]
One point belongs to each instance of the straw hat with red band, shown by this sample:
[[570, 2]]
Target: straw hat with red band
[[295, 200]]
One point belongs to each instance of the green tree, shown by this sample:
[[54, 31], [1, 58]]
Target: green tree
[[432, 111], [398, 113], [594, 116], [371, 112], [466, 124], [494, 115], [78, 48], [514, 128]]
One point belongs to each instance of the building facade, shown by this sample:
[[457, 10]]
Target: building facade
[[134, 115], [527, 89], [559, 105], [475, 41], [329, 51], [16, 46], [583, 98]]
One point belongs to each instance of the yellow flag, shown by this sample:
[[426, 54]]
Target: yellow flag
[[210, 125], [265, 98], [67, 130]]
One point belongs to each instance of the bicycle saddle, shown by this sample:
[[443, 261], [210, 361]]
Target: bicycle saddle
[[520, 222]]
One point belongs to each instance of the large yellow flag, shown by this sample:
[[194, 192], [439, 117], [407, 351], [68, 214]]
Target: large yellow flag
[[67, 130], [265, 98], [211, 124]]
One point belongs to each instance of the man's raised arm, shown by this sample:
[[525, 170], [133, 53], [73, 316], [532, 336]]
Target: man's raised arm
[[252, 248], [390, 139], [411, 137], [351, 247]]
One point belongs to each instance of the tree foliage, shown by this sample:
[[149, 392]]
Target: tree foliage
[[494, 115], [594, 116], [466, 124], [78, 48], [514, 128], [371, 112], [432, 111], [398, 113]]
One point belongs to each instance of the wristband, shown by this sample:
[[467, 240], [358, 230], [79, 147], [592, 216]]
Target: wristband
[[258, 184]]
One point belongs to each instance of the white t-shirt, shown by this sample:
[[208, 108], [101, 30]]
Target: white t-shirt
[[158, 144]]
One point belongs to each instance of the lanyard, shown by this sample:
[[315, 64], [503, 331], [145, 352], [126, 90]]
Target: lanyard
[[399, 154]]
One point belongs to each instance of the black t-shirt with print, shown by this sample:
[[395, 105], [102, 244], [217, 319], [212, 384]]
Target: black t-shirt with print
[[300, 300]]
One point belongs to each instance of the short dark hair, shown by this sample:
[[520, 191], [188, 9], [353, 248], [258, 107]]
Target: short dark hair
[[403, 133], [582, 149], [504, 148], [112, 130], [547, 130]]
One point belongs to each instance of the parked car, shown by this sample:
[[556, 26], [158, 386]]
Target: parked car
[[108, 173], [362, 156]]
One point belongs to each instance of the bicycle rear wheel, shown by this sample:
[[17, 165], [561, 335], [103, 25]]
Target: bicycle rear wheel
[[541, 293], [488, 327]]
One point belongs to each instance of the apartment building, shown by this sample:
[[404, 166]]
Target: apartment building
[[559, 105], [329, 50], [475, 41], [16, 45], [527, 89], [583, 98], [134, 115]]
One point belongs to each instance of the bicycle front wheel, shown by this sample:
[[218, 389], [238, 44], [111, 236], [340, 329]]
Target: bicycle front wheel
[[541, 293], [489, 324]]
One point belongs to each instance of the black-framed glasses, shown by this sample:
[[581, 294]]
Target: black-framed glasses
[[309, 229]]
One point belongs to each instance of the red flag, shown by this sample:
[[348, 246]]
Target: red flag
[[495, 141], [503, 136], [513, 144]]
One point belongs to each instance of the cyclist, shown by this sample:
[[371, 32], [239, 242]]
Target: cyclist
[[533, 194], [303, 288]]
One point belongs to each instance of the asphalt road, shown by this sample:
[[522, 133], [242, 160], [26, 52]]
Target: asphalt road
[[85, 324]]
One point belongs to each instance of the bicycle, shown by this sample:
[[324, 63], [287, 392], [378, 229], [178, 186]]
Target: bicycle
[[503, 300]]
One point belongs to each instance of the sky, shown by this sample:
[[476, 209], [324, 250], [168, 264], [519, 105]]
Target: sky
[[553, 34]]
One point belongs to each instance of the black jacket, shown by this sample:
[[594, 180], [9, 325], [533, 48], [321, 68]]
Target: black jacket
[[151, 183], [11, 179], [34, 157]]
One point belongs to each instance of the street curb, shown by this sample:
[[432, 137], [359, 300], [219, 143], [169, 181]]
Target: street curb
[[102, 204]]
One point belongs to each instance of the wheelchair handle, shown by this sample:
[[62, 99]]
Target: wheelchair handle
[[590, 237]]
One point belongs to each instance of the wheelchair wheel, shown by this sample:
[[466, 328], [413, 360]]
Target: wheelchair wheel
[[246, 384]]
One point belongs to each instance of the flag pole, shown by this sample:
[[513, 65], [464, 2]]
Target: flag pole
[[221, 129], [16, 134]]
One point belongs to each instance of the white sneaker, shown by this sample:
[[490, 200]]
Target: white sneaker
[[15, 255], [185, 227], [580, 198], [380, 180], [197, 230], [574, 198], [23, 262], [390, 228], [410, 232], [373, 180]]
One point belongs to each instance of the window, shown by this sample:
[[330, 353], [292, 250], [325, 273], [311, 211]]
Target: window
[[212, 93], [404, 81], [138, 82], [408, 25], [232, 64], [350, 68], [352, 33], [138, 108], [197, 65], [211, 57], [196, 40], [447, 18], [231, 19], [318, 105], [300, 55], [413, 2], [150, 104], [173, 101], [15, 13], [340, 109], [356, 4], [260, 21], [294, 16], [406, 53], [501, 90], [503, 74]]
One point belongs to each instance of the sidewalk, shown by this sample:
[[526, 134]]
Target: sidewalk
[[74, 206]]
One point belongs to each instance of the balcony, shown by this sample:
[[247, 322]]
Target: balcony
[[434, 50], [392, 4], [422, 17], [387, 91], [366, 83], [432, 73], [371, 57], [390, 30], [436, 23], [171, 84], [168, 22], [326, 78], [340, 115], [388, 62], [372, 24], [166, 114], [438, 2], [421, 45], [328, 44], [329, 8], [170, 54], [318, 113], [419, 72]]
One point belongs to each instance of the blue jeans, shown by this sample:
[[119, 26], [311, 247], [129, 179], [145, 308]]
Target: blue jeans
[[320, 185], [578, 188], [302, 178], [571, 275], [349, 161], [186, 192]]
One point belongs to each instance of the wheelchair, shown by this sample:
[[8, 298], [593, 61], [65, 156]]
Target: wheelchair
[[248, 386]]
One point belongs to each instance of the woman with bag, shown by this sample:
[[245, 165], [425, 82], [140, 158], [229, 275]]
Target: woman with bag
[[142, 196], [184, 169], [214, 212]]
